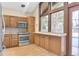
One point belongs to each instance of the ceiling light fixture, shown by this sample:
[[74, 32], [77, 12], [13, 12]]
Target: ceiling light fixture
[[22, 5]]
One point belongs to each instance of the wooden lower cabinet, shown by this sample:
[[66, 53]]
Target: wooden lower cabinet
[[31, 38], [36, 39], [10, 40], [46, 42], [54, 44], [14, 42], [42, 41], [6, 41]]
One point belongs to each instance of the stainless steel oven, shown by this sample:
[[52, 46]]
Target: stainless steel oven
[[23, 39]]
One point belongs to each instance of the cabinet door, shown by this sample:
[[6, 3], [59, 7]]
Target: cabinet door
[[13, 21], [42, 41], [7, 21], [31, 38], [47, 42], [55, 45], [14, 42], [31, 24], [36, 39], [6, 41]]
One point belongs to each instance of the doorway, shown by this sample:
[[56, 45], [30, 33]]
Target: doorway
[[74, 30]]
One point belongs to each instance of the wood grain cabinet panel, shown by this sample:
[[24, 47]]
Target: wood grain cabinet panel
[[7, 21], [6, 41], [47, 42], [31, 38], [36, 40], [55, 45], [42, 41], [14, 42], [10, 40], [13, 21]]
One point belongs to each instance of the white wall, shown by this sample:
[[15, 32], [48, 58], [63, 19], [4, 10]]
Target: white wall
[[14, 13], [36, 15]]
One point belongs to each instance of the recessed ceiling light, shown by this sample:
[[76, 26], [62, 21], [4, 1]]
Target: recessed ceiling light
[[23, 5]]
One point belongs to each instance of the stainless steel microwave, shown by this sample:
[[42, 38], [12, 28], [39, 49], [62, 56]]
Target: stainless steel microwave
[[22, 24]]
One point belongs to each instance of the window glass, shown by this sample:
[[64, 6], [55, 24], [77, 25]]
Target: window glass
[[57, 22], [55, 5], [44, 23]]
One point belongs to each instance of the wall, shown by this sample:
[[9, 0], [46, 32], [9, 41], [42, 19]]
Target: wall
[[36, 15], [14, 13]]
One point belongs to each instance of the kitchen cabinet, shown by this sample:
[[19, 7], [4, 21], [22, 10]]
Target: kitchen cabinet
[[31, 38], [14, 40], [42, 41], [13, 21], [31, 24], [54, 43], [36, 39], [7, 21], [31, 27], [46, 39], [6, 41], [10, 40]]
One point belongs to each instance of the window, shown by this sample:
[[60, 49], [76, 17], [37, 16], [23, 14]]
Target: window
[[57, 22], [55, 5], [44, 23]]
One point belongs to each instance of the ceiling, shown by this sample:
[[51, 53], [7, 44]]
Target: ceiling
[[16, 6]]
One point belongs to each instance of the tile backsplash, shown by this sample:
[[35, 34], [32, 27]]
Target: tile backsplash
[[13, 30]]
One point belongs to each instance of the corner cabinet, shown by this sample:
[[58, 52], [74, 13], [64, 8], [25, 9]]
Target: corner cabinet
[[31, 28], [55, 43]]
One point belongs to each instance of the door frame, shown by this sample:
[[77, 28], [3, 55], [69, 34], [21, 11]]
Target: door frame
[[73, 7]]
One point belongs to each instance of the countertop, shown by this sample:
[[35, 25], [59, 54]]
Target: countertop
[[52, 34]]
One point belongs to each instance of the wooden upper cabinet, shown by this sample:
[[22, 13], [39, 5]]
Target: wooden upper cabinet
[[13, 21], [7, 21], [31, 24]]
